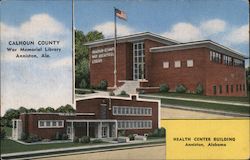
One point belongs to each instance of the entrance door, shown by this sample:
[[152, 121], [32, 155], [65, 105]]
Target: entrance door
[[104, 132], [138, 61], [69, 132]]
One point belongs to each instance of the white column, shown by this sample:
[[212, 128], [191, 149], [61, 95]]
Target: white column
[[13, 129], [116, 127], [87, 128], [72, 130], [100, 130]]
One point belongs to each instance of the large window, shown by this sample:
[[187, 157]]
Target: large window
[[50, 123], [215, 57], [227, 60], [227, 89], [190, 63], [138, 61], [238, 63], [232, 88], [220, 87], [134, 124], [132, 111], [177, 64], [214, 89], [165, 64]]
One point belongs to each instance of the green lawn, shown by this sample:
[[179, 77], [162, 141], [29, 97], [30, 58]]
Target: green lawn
[[203, 105], [195, 96], [9, 146]]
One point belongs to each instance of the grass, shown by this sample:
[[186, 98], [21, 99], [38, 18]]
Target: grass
[[195, 96], [9, 146], [204, 105]]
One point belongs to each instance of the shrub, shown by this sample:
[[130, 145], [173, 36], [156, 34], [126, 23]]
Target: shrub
[[159, 132], [58, 136], [111, 93], [181, 88], [65, 136], [103, 85], [2, 134], [123, 93], [142, 92], [84, 139], [23, 136], [131, 137], [83, 84], [164, 88], [33, 138], [199, 89], [121, 133], [76, 140], [96, 141]]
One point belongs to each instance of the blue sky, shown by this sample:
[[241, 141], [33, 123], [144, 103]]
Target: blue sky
[[47, 82]]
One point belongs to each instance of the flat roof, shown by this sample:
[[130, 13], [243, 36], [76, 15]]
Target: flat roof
[[133, 38], [198, 44]]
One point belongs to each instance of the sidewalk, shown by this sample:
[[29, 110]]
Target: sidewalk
[[197, 100]]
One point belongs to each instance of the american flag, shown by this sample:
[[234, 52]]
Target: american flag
[[120, 14]]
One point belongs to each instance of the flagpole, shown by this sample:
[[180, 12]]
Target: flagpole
[[73, 54], [115, 41]]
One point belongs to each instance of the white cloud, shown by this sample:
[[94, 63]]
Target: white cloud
[[64, 62], [239, 35], [107, 29], [213, 26], [184, 32]]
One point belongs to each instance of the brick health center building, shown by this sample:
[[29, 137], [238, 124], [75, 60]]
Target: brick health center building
[[154, 60], [96, 117]]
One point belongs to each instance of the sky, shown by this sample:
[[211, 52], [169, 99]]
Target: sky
[[47, 82]]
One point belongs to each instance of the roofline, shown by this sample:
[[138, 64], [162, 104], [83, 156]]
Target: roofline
[[120, 38], [202, 42]]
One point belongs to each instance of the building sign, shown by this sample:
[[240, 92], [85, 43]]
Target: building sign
[[99, 54]]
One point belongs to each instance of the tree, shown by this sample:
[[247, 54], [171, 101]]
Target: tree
[[49, 110], [82, 56], [9, 115], [41, 109], [22, 110], [66, 109]]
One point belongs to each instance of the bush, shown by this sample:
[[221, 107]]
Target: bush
[[96, 141], [164, 88], [2, 134], [76, 140], [159, 132], [199, 89], [103, 85], [121, 133], [83, 84], [24, 136], [33, 138], [181, 88], [111, 93], [123, 93], [65, 136], [58, 136], [142, 92], [84, 139], [131, 137]]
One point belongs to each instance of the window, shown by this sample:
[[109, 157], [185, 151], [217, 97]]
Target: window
[[240, 88], [190, 63], [165, 64], [243, 86], [134, 124], [214, 89], [215, 57], [138, 60], [50, 123], [232, 88], [238, 63], [177, 64], [220, 87], [237, 87], [132, 111], [227, 90], [228, 60]]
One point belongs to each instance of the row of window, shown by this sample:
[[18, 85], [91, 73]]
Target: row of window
[[50, 123], [177, 64], [132, 111], [227, 60], [134, 124], [238, 87]]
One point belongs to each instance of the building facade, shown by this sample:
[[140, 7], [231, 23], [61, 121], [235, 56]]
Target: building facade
[[154, 60], [96, 117]]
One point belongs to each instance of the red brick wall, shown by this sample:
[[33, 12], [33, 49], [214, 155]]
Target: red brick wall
[[189, 76], [84, 106], [221, 74]]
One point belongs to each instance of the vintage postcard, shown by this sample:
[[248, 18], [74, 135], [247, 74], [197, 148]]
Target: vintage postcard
[[125, 80]]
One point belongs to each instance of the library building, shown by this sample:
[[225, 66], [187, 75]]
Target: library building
[[152, 60]]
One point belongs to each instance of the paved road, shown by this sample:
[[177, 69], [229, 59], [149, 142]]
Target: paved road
[[169, 113], [146, 153]]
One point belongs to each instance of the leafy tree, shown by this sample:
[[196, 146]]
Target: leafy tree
[[22, 110], [82, 56], [9, 115], [31, 110], [41, 109], [49, 110], [66, 109]]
